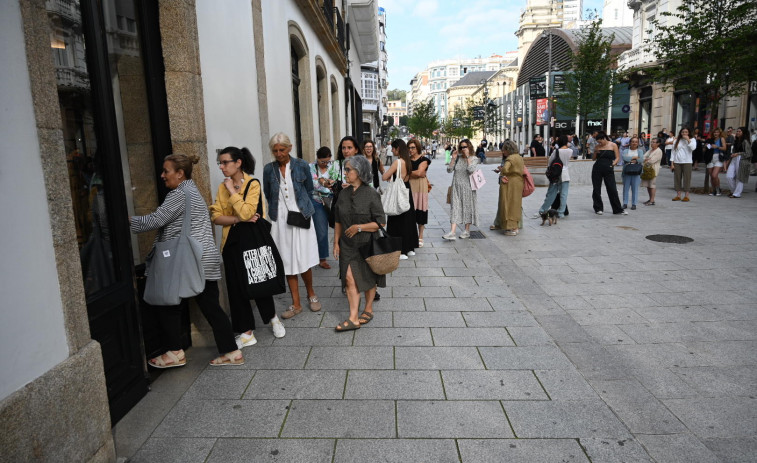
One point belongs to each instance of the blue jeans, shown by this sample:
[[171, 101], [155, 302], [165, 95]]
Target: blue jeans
[[560, 188], [631, 182], [321, 222]]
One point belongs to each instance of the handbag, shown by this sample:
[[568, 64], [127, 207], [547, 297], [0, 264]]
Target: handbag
[[396, 199], [633, 168], [528, 182], [327, 202], [477, 180], [647, 172], [297, 219], [449, 195], [250, 248], [174, 267], [382, 253]]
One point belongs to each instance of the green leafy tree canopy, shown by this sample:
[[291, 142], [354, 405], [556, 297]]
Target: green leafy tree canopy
[[396, 94], [424, 120]]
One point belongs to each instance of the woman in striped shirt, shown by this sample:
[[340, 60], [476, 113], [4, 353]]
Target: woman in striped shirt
[[168, 218]]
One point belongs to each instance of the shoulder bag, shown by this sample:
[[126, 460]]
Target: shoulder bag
[[528, 182], [632, 169], [174, 267], [396, 198], [252, 251], [294, 218], [382, 253]]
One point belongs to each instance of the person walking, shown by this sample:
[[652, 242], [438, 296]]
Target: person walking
[[652, 158], [288, 186], [561, 187], [464, 204], [633, 155], [235, 203], [738, 169], [680, 164], [510, 204], [169, 219], [606, 158]]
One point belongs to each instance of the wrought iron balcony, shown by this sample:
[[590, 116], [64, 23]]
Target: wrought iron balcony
[[328, 12]]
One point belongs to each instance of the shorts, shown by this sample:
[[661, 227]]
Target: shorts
[[714, 163]]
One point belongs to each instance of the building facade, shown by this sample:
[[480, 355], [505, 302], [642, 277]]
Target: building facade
[[395, 110], [129, 82]]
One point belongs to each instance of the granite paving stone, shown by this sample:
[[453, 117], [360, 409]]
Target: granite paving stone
[[471, 337], [526, 357], [393, 337], [296, 384], [340, 418], [438, 358], [565, 384], [563, 328], [507, 304], [500, 318], [564, 419], [428, 319], [394, 384], [734, 450], [220, 384], [664, 383], [381, 319], [369, 358], [455, 282], [602, 450], [452, 304], [606, 317], [275, 357], [608, 334], [174, 450], [530, 336], [424, 292], [492, 385], [721, 381], [396, 450], [451, 419], [724, 353], [717, 416], [399, 304], [325, 336], [276, 450], [677, 447], [521, 450]]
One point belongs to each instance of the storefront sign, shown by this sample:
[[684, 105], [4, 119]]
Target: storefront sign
[[558, 85], [537, 87]]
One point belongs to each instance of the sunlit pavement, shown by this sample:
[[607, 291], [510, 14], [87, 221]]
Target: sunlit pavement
[[583, 340]]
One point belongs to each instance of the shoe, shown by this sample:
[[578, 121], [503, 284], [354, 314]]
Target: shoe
[[494, 227], [511, 232], [245, 340], [291, 312], [734, 196], [227, 359], [686, 199], [449, 236], [633, 207], [464, 235], [377, 297], [278, 328], [347, 325], [315, 304], [598, 212], [174, 360], [719, 192], [410, 253], [536, 216], [625, 206], [677, 198], [324, 264], [420, 243], [403, 257], [712, 193], [622, 212]]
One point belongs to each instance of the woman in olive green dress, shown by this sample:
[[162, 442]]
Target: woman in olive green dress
[[511, 189], [358, 215]]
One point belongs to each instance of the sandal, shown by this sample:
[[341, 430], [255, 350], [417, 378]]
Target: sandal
[[174, 360], [228, 359], [494, 227], [324, 264], [347, 325], [365, 317]]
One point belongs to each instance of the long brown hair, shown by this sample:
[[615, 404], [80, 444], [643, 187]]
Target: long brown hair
[[403, 153]]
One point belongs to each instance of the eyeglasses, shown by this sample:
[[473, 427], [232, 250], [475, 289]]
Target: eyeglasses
[[463, 146], [220, 163], [412, 147]]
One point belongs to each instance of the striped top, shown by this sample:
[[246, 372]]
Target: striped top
[[169, 218]]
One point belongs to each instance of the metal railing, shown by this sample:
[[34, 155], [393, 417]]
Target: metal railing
[[341, 34], [327, 7]]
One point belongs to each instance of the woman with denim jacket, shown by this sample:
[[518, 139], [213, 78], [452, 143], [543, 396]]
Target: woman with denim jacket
[[288, 186]]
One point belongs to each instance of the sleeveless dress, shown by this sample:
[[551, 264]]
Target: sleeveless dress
[[419, 190]]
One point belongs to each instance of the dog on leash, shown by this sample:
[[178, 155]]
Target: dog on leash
[[549, 216]]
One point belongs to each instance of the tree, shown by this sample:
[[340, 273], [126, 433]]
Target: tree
[[424, 120], [396, 94], [403, 120], [590, 83], [706, 47]]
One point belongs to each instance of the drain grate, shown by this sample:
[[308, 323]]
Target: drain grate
[[676, 239], [477, 235]]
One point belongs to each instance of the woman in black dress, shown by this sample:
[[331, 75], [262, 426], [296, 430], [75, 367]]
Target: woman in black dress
[[606, 157], [402, 225]]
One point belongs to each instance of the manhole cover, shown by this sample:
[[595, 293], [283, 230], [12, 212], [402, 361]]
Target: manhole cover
[[476, 235], [676, 239]]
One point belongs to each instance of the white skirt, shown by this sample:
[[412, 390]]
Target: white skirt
[[298, 246]]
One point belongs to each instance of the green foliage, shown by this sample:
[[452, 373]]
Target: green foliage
[[424, 120], [707, 47], [403, 120], [396, 94], [589, 85]]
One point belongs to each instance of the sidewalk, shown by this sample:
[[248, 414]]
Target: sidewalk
[[578, 342]]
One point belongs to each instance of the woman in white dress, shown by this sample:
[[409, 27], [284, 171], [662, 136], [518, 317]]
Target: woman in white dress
[[288, 185]]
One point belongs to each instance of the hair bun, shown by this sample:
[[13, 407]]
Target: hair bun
[[193, 158]]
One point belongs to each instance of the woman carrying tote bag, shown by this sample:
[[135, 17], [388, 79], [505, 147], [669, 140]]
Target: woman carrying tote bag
[[170, 219], [238, 200]]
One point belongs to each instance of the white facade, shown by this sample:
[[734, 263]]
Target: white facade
[[617, 13]]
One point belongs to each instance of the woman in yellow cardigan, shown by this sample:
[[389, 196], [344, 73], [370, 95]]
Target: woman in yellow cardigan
[[230, 208], [511, 189]]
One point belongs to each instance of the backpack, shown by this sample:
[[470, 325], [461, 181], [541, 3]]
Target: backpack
[[554, 171], [528, 182]]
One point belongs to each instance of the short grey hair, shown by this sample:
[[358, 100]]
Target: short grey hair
[[280, 139], [510, 147], [362, 167]]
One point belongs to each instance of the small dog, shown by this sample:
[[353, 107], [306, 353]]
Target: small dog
[[549, 216]]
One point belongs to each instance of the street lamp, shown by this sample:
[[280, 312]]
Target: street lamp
[[484, 82]]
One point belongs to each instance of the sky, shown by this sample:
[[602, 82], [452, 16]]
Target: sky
[[421, 31]]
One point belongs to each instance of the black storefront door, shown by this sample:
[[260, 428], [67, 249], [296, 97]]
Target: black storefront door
[[108, 65]]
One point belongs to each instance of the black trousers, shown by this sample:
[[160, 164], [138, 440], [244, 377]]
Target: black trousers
[[604, 172], [170, 320], [240, 308]]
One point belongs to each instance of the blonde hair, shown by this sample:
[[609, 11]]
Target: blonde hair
[[280, 138], [183, 162]]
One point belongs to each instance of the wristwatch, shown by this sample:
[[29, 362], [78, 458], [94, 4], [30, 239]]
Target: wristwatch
[[359, 229]]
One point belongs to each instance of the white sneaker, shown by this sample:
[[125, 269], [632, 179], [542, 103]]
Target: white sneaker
[[245, 340], [599, 212], [411, 253], [464, 235], [536, 216], [403, 257], [449, 236], [278, 328], [624, 213]]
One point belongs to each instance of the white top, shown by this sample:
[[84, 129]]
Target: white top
[[565, 155], [683, 153]]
